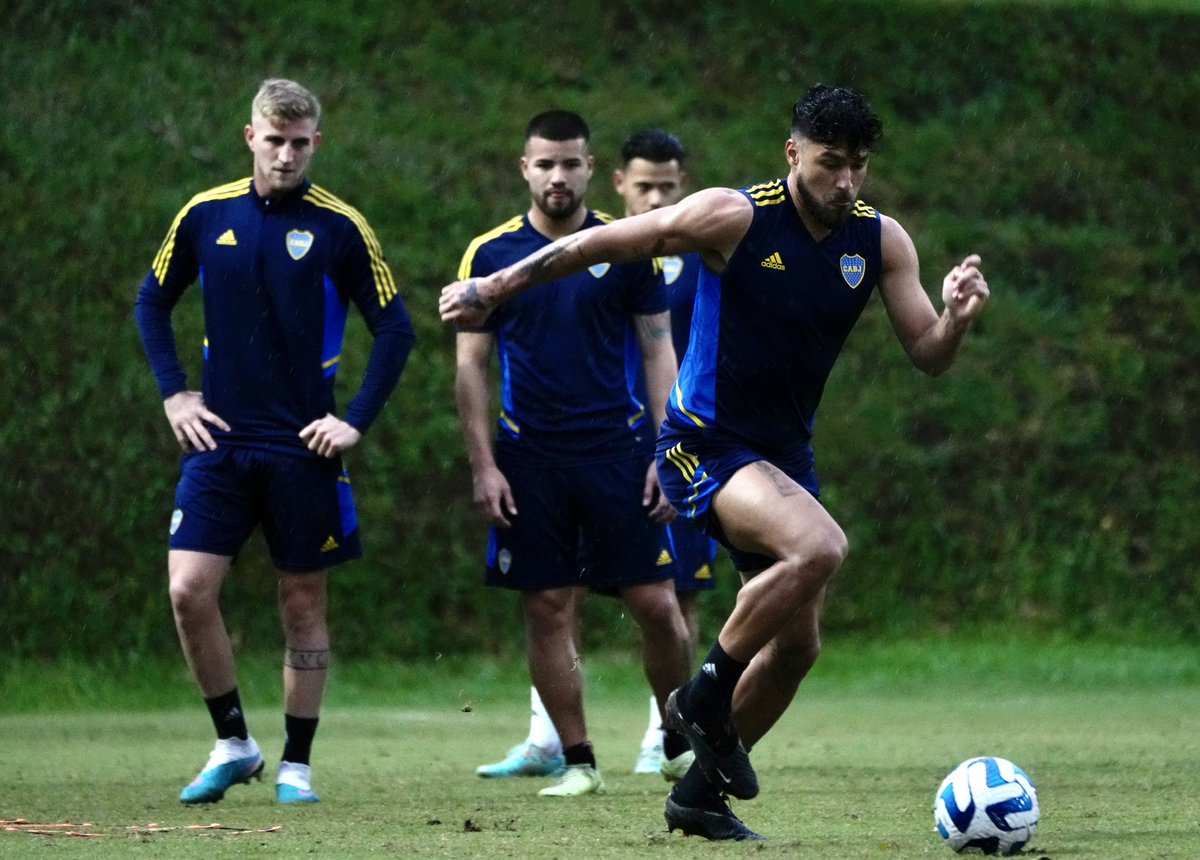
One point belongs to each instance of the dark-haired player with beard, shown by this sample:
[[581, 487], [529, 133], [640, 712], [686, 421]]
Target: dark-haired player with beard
[[568, 483], [789, 266]]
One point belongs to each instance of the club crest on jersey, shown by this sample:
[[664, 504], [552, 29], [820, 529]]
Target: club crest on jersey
[[600, 269], [854, 267], [504, 560], [298, 243], [672, 268]]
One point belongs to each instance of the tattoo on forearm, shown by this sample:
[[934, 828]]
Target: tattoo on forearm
[[306, 661], [536, 266], [470, 296], [784, 485]]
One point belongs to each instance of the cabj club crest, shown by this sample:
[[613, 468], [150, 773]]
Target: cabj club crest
[[854, 267], [298, 243]]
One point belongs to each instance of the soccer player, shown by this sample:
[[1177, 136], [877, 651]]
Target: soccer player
[[572, 461], [651, 175], [789, 265], [279, 260]]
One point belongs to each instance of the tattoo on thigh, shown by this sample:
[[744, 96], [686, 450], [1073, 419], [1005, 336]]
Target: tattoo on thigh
[[784, 485], [306, 661]]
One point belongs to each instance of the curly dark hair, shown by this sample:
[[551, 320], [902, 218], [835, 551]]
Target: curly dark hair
[[837, 116]]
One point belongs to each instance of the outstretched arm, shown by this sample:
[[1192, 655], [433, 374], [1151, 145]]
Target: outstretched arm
[[712, 222], [931, 340]]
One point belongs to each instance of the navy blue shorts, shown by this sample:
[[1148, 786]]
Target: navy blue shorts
[[578, 525], [694, 464], [693, 555], [304, 505]]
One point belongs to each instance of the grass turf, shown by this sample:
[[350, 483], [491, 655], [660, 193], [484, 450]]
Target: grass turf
[[1110, 735]]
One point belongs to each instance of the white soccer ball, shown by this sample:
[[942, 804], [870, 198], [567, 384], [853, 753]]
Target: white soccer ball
[[986, 804]]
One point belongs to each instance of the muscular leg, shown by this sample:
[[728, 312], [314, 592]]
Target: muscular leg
[[665, 652], [763, 511], [550, 637], [769, 684], [302, 603], [195, 587]]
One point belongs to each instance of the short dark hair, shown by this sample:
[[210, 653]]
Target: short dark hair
[[653, 144], [837, 116], [558, 125]]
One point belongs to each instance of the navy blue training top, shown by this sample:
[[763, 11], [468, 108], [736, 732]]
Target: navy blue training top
[[568, 353], [767, 330], [277, 277]]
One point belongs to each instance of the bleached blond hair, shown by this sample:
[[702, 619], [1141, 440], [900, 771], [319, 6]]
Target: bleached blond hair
[[280, 100]]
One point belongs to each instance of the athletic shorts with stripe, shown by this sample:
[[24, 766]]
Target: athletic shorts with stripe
[[693, 465]]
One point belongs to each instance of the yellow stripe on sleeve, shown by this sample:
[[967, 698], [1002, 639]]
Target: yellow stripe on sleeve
[[509, 226], [162, 260], [385, 284]]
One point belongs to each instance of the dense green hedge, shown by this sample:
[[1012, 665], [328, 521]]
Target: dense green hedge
[[1050, 479]]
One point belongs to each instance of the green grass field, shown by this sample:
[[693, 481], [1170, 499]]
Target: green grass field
[[1109, 734]]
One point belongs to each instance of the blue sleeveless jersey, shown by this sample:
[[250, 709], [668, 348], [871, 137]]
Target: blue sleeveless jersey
[[767, 330], [568, 353]]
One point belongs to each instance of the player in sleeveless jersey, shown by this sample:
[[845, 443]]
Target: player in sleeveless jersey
[[789, 265]]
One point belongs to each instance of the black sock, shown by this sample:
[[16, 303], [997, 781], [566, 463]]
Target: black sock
[[227, 716], [694, 789], [298, 738], [674, 744], [580, 754], [712, 687]]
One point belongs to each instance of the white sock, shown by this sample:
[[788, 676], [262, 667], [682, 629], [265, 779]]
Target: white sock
[[298, 775], [541, 728], [654, 728]]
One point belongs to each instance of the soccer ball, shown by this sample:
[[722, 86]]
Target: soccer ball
[[986, 804]]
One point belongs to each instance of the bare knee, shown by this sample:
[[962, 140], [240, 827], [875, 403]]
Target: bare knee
[[817, 557], [549, 612], [655, 609], [302, 607], [191, 596]]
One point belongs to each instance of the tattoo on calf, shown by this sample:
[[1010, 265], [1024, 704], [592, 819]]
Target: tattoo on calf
[[306, 661]]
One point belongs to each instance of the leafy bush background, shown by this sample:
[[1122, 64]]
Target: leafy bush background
[[1049, 481]]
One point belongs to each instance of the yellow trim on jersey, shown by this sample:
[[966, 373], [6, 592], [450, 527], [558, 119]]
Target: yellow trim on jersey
[[767, 193], [677, 396], [385, 284], [162, 260], [325, 365], [603, 216], [862, 210], [509, 226], [512, 425]]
